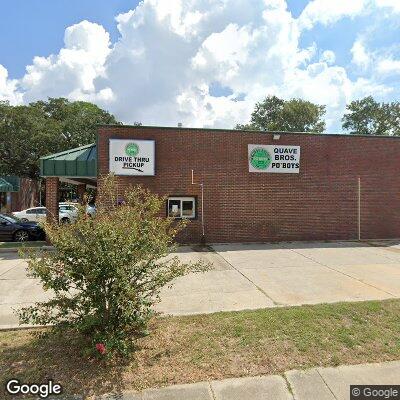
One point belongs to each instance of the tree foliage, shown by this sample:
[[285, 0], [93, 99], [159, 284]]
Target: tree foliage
[[77, 120], [295, 115], [369, 117], [106, 272], [26, 134], [30, 132]]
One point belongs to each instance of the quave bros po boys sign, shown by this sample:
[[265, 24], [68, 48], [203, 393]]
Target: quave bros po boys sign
[[275, 159]]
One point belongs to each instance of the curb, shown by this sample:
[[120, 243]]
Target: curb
[[293, 384], [17, 249], [16, 327]]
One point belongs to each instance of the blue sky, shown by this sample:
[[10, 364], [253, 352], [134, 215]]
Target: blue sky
[[196, 61], [36, 27]]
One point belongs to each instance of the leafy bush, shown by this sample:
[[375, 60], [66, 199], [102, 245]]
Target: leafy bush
[[106, 272]]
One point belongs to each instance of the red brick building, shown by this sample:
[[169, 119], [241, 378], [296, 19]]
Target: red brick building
[[18, 193], [336, 186]]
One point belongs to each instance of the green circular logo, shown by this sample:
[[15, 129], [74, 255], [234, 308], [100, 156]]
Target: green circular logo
[[131, 149], [260, 158]]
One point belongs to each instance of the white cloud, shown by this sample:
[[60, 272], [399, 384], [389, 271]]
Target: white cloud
[[254, 51], [360, 55], [238, 46], [71, 72], [389, 67], [378, 63], [329, 11], [328, 56], [8, 88], [170, 53], [393, 4], [363, 87]]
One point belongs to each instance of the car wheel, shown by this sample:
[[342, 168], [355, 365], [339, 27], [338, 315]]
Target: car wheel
[[21, 236], [24, 220], [65, 220]]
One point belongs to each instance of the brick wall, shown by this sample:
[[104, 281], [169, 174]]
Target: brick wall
[[52, 185], [27, 196], [80, 192], [321, 202]]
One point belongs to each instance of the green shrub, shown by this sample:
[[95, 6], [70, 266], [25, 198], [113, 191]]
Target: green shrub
[[106, 272]]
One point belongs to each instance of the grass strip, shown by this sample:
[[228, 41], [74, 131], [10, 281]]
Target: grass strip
[[214, 346]]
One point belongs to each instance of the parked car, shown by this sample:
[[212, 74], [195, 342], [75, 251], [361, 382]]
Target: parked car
[[38, 214], [68, 212], [34, 214], [12, 228], [72, 209], [91, 210]]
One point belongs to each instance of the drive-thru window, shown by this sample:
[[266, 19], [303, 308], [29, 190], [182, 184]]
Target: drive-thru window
[[181, 207]]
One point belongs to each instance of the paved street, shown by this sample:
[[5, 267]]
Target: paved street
[[316, 383], [250, 276]]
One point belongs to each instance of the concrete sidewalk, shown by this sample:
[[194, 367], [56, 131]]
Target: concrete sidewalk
[[312, 384], [261, 275], [249, 276]]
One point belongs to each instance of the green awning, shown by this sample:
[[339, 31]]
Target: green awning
[[75, 163], [9, 184]]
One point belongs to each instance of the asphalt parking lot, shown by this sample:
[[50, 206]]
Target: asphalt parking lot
[[250, 276]]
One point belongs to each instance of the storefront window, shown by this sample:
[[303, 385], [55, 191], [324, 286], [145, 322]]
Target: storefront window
[[181, 207]]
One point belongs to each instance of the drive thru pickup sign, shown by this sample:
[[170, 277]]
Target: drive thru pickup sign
[[276, 159], [132, 157]]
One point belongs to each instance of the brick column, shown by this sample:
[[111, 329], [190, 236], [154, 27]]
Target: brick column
[[52, 184], [80, 192]]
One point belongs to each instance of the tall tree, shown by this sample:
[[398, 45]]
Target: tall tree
[[78, 120], [295, 115], [30, 132], [26, 134], [369, 117]]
